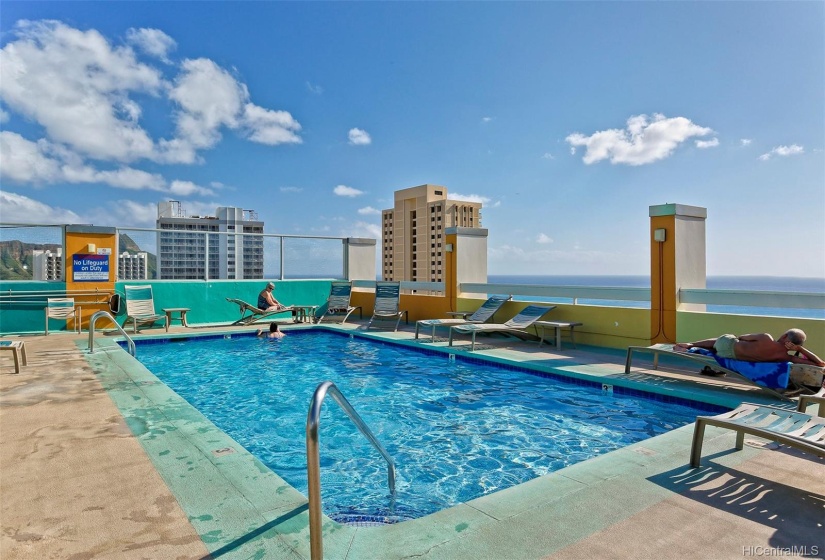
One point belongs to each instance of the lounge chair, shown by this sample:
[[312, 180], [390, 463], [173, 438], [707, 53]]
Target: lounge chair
[[517, 324], [782, 368], [387, 301], [339, 302], [62, 309], [255, 313], [784, 426], [481, 315], [140, 308], [818, 399]]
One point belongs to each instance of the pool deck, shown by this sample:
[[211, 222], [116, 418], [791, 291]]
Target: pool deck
[[99, 460]]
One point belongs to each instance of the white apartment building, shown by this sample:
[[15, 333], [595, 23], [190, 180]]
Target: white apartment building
[[412, 233], [47, 265], [132, 266], [201, 247]]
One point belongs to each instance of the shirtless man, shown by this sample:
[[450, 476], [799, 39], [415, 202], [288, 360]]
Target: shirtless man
[[759, 347]]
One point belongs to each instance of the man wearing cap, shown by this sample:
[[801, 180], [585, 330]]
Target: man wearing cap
[[266, 301]]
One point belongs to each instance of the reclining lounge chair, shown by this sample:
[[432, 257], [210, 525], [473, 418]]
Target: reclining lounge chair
[[140, 308], [519, 323], [481, 315], [339, 301], [779, 378], [387, 301], [781, 425], [255, 313]]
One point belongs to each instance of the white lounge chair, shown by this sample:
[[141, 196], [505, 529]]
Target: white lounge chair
[[62, 309], [140, 308], [256, 313], [519, 323], [481, 315], [387, 302], [339, 302], [818, 399], [781, 425], [705, 360]]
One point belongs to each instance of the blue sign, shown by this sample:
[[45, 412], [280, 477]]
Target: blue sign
[[90, 268]]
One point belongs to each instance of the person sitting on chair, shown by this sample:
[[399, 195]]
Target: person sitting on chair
[[760, 347], [266, 301], [274, 331]]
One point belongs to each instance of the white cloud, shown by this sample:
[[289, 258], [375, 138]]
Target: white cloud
[[469, 198], [369, 211], [316, 89], [358, 137], [543, 239], [4, 116], [746, 141], [291, 189], [43, 162], [152, 41], [78, 86], [266, 126], [485, 120], [645, 140], [187, 188], [362, 229], [783, 151], [24, 210], [704, 144], [75, 85], [547, 155], [343, 190]]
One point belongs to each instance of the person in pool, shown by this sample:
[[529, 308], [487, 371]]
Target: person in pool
[[274, 331], [760, 347]]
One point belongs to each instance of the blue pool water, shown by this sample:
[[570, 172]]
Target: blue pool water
[[457, 429]]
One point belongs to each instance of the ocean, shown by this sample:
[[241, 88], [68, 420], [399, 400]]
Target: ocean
[[749, 283]]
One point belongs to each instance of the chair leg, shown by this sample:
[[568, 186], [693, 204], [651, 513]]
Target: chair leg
[[696, 446], [417, 327]]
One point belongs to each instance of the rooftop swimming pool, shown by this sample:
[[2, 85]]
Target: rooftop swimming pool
[[457, 428]]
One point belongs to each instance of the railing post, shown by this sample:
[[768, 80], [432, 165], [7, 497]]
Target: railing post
[[282, 258]]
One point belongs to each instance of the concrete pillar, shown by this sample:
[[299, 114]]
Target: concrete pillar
[[677, 260], [466, 251], [90, 264], [359, 258]]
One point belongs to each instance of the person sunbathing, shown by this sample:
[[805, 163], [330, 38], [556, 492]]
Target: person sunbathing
[[266, 301], [760, 347]]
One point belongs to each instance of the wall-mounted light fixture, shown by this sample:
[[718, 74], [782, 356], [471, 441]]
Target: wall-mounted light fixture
[[659, 235], [448, 247]]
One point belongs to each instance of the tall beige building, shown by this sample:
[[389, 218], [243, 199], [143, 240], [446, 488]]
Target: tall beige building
[[413, 232]]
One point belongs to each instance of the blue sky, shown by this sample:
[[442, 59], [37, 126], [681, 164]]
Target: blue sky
[[567, 119]]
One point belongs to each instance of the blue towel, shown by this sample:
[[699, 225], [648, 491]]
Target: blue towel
[[773, 375]]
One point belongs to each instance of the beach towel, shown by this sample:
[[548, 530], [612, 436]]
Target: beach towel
[[774, 375]]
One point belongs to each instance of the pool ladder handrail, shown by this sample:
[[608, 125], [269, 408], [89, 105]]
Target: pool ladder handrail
[[316, 545], [98, 315]]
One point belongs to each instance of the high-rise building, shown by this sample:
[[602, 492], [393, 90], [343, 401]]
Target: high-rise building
[[47, 265], [413, 232], [132, 266], [200, 247]]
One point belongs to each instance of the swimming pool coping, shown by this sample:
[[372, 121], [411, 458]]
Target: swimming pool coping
[[262, 514]]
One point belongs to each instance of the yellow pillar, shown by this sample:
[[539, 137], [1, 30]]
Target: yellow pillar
[[91, 264], [677, 260]]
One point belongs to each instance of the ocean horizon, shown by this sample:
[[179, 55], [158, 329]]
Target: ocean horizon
[[748, 283]]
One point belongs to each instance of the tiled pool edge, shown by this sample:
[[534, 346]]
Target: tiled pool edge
[[161, 422]]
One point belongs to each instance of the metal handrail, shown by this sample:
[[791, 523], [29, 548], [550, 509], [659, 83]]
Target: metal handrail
[[95, 317], [316, 543]]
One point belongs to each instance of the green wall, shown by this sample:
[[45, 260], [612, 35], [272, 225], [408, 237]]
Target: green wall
[[206, 300]]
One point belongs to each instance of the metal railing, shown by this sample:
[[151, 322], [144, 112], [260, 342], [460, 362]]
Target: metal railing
[[316, 542], [98, 315]]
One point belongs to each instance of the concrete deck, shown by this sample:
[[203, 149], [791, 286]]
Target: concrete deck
[[99, 460]]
